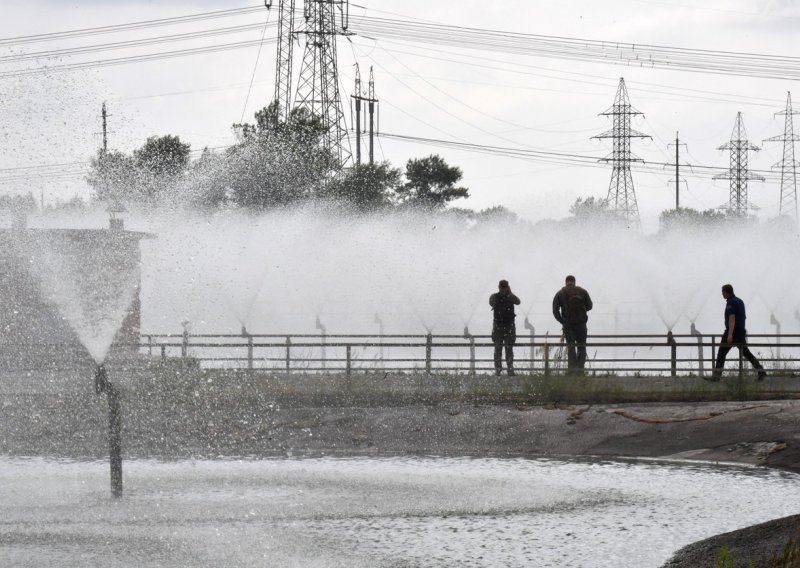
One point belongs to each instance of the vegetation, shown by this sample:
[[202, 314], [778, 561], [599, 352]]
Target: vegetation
[[273, 164]]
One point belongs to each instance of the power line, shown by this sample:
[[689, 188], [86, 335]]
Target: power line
[[487, 40], [84, 32], [136, 58]]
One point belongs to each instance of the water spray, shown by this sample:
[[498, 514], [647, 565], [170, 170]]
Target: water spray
[[774, 321], [377, 319], [323, 332], [529, 326], [102, 385], [700, 360], [471, 338], [185, 341]]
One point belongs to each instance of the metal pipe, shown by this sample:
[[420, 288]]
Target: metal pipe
[[102, 385]]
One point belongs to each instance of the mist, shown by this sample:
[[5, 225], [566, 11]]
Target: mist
[[278, 272]]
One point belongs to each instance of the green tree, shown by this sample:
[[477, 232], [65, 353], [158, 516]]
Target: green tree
[[431, 183]]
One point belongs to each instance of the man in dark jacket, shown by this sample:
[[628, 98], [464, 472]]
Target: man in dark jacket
[[504, 330], [735, 334], [570, 305]]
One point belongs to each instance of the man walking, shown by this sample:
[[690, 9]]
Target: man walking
[[735, 334], [504, 330], [570, 305]]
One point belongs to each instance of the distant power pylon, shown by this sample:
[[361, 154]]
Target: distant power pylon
[[318, 83], [788, 165], [621, 194], [738, 173]]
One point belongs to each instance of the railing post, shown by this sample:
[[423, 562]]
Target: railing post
[[288, 354], [673, 363], [250, 352], [713, 352], [150, 345], [164, 352], [741, 361], [349, 368], [428, 352], [185, 343], [546, 357]]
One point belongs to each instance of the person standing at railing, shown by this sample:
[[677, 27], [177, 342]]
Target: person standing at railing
[[735, 334], [504, 330], [570, 307]]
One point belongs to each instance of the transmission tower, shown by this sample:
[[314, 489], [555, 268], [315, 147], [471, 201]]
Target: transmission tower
[[738, 173], [621, 195], [283, 64], [318, 83], [788, 165]]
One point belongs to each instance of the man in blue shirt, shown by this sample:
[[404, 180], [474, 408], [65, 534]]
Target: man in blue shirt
[[735, 334]]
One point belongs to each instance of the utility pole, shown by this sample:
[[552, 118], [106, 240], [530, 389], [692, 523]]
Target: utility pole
[[788, 165], [738, 174], [621, 193], [105, 131], [678, 179], [318, 83], [357, 98], [371, 101]]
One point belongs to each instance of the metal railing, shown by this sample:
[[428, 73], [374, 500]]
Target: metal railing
[[647, 354]]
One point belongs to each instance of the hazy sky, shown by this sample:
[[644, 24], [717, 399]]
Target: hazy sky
[[479, 96]]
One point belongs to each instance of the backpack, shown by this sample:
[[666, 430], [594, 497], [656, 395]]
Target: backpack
[[504, 310], [575, 305]]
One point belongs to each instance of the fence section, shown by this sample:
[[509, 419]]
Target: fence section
[[608, 354]]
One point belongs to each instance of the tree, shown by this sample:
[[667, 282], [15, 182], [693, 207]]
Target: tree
[[112, 176], [431, 183], [278, 163], [687, 218], [151, 174], [160, 163], [163, 156], [365, 188], [206, 185]]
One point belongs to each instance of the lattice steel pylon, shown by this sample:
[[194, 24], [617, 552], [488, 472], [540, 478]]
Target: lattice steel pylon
[[788, 165], [621, 194], [283, 63], [318, 83], [738, 173]]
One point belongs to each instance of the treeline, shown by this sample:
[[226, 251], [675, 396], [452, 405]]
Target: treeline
[[273, 164]]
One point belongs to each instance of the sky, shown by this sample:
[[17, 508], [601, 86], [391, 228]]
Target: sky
[[487, 95]]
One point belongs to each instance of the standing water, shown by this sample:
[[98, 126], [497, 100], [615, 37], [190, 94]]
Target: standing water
[[378, 512]]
